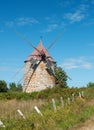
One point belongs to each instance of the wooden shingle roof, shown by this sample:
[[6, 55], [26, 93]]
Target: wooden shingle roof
[[38, 50]]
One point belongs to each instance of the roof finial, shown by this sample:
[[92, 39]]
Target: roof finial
[[41, 38]]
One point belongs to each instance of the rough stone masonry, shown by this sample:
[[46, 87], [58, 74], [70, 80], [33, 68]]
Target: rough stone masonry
[[36, 76]]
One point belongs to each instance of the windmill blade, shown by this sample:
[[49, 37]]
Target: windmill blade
[[34, 63], [23, 76], [17, 72], [69, 77], [21, 36], [48, 57], [50, 67], [50, 71], [49, 64], [32, 66], [20, 80], [55, 40], [31, 75]]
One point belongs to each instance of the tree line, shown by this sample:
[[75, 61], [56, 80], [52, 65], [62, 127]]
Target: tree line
[[12, 86], [60, 80]]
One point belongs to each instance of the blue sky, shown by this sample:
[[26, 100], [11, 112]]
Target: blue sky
[[48, 18]]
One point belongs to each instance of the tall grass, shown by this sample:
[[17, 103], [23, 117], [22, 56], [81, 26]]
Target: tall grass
[[63, 119], [8, 109]]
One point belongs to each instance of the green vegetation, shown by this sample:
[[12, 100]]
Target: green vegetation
[[14, 87], [3, 86], [47, 94], [90, 84], [60, 77], [64, 118]]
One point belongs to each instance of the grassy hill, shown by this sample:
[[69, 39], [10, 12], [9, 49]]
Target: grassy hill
[[75, 107]]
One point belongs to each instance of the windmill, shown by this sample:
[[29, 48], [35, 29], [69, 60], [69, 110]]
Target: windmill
[[38, 68]]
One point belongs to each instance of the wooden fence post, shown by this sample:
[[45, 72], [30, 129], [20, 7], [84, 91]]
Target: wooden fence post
[[82, 94], [79, 94], [37, 110], [1, 124], [21, 114], [73, 97], [68, 101], [54, 104], [62, 101]]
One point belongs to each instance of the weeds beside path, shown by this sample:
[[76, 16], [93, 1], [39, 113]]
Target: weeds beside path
[[88, 124]]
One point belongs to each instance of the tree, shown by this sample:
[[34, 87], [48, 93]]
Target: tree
[[3, 86], [90, 84], [60, 77], [12, 86], [19, 87]]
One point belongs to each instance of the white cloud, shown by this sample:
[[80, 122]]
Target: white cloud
[[25, 21], [21, 21], [51, 18], [74, 63], [51, 27], [75, 17], [78, 15]]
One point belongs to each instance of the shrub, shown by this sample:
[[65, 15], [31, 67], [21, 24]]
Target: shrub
[[90, 84], [3, 86]]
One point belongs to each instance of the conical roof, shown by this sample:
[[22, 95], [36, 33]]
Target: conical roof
[[38, 50]]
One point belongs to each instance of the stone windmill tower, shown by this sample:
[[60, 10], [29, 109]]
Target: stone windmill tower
[[39, 67], [39, 70]]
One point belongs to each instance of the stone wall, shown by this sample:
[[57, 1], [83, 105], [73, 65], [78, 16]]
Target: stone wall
[[38, 80]]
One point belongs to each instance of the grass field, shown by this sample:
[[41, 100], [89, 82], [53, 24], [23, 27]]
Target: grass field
[[64, 118]]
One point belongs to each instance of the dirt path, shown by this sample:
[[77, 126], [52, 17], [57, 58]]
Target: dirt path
[[88, 125]]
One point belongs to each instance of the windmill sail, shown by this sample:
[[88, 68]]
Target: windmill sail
[[39, 67], [41, 70]]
